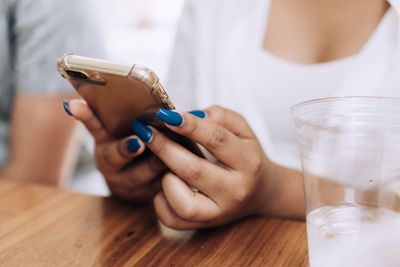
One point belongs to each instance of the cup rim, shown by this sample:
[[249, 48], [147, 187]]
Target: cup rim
[[300, 105]]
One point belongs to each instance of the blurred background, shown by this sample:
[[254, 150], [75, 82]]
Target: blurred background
[[142, 31], [136, 31]]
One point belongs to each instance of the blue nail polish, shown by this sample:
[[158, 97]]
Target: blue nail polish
[[142, 131], [198, 113], [170, 117], [66, 108], [133, 145]]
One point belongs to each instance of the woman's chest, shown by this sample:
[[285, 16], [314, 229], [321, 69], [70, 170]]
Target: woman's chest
[[320, 31]]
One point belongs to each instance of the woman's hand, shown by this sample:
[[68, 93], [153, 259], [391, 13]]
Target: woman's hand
[[240, 183], [233, 187], [128, 177]]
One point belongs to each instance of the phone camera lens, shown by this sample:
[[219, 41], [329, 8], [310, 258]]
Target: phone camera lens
[[77, 75]]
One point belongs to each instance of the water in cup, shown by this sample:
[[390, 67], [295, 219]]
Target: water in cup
[[353, 235], [350, 151]]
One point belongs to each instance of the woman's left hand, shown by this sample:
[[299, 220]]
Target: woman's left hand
[[231, 188]]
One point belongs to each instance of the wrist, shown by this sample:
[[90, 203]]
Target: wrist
[[270, 190], [266, 188], [282, 192]]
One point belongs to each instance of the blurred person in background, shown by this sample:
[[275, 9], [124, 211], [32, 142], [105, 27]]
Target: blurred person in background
[[36, 139], [257, 57]]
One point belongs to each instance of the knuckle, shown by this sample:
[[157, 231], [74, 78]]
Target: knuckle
[[218, 138], [189, 127], [92, 123], [217, 108], [193, 172], [105, 157], [217, 113], [240, 195], [187, 211], [254, 163], [159, 146], [239, 116]]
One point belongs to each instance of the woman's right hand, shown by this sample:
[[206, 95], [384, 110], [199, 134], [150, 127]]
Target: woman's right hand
[[129, 177]]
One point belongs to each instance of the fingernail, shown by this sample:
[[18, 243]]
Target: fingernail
[[66, 108], [133, 145], [198, 113], [170, 117], [142, 131]]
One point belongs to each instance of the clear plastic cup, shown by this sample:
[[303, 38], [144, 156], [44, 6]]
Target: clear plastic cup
[[350, 151]]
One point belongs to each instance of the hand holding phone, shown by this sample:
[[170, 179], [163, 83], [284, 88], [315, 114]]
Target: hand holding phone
[[114, 96], [130, 173]]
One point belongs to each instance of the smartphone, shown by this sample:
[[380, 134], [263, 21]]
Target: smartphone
[[118, 94]]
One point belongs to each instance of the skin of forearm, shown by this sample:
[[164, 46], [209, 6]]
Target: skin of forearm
[[53, 174], [42, 144]]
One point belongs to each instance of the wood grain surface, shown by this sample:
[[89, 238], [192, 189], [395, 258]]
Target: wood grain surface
[[44, 226]]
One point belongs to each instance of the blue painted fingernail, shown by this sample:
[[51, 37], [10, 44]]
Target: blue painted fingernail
[[170, 117], [133, 145], [198, 113], [66, 108], [142, 131]]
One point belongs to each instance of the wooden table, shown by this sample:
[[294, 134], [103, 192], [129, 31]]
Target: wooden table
[[44, 226]]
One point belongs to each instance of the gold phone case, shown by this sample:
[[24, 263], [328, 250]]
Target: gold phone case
[[117, 93]]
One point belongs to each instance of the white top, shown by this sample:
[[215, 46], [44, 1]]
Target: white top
[[219, 59]]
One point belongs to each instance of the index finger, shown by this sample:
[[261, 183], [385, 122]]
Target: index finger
[[230, 120], [220, 142]]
